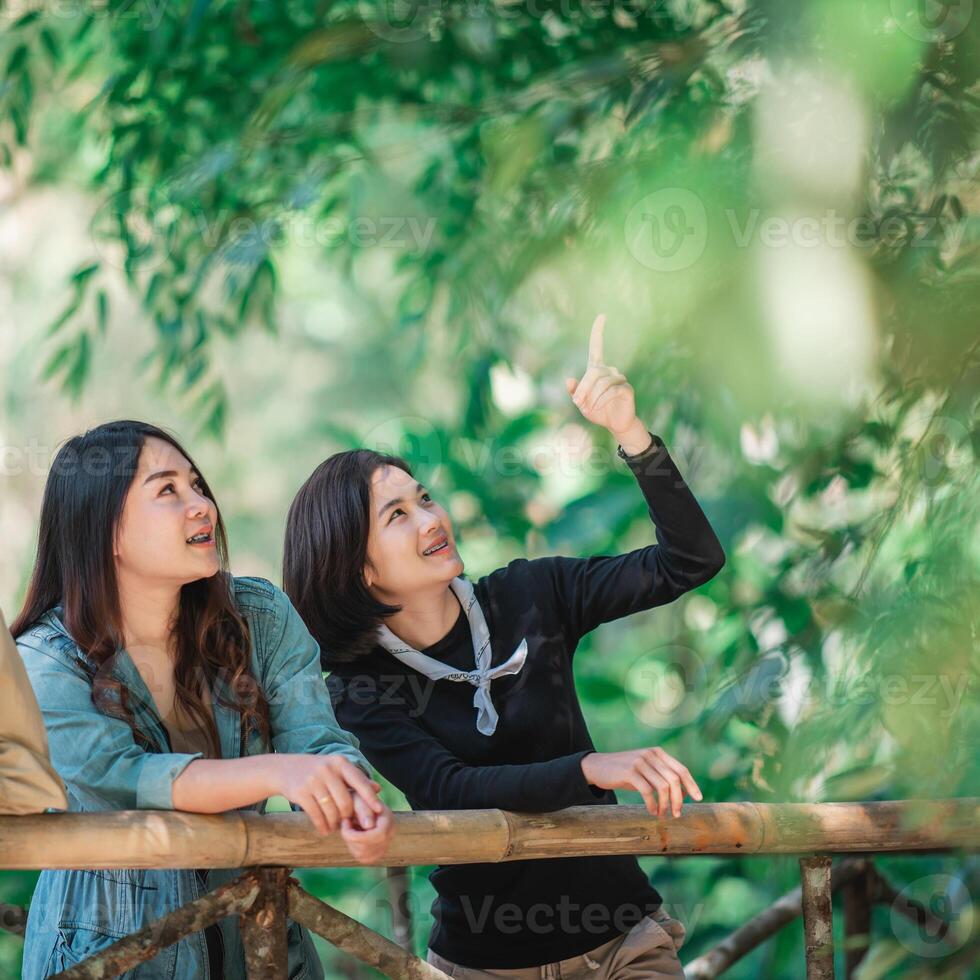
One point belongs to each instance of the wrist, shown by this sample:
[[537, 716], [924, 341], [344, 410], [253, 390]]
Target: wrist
[[634, 439], [268, 768], [586, 767]]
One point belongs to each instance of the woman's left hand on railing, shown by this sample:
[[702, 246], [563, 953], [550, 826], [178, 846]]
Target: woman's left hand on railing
[[368, 835]]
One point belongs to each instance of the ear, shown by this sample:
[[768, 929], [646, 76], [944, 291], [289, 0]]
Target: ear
[[368, 574]]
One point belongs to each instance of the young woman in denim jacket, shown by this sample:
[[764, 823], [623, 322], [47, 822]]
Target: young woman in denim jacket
[[166, 683]]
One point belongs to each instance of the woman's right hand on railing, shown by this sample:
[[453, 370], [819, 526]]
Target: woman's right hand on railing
[[655, 774], [326, 786]]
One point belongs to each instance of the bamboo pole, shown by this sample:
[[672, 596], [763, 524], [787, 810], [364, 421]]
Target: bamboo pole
[[123, 839], [763, 926], [169, 839], [818, 917], [349, 935]]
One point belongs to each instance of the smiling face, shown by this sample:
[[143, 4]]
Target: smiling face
[[411, 546], [159, 535]]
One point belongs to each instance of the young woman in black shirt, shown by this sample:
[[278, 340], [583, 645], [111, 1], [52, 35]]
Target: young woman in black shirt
[[462, 694]]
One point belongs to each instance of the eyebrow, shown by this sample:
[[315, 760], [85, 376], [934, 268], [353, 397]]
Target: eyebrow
[[167, 474], [397, 501]]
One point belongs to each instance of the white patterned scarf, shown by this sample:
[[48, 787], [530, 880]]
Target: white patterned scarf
[[480, 678]]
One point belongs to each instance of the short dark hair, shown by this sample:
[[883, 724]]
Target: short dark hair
[[325, 552]]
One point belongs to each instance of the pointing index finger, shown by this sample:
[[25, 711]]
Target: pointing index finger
[[595, 340]]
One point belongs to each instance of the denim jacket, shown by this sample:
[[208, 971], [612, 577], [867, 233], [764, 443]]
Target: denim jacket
[[74, 914]]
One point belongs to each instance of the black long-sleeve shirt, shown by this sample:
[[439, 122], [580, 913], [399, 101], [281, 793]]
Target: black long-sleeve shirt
[[422, 736]]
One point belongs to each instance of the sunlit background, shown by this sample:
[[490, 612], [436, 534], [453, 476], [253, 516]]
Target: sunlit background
[[283, 229]]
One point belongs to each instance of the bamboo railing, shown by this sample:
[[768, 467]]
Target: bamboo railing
[[269, 845]]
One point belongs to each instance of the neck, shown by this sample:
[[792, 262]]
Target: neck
[[149, 610], [425, 618]]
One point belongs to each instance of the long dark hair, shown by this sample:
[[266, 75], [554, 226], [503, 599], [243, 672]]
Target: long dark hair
[[83, 503], [325, 552]]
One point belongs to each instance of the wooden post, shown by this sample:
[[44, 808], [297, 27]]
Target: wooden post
[[263, 927], [763, 926], [858, 900], [818, 917], [399, 895], [365, 944]]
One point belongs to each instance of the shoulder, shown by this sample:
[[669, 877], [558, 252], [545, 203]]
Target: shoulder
[[252, 592], [277, 631], [521, 577], [265, 607], [47, 644], [259, 596]]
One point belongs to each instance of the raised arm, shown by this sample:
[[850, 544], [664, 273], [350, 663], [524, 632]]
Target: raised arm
[[687, 552]]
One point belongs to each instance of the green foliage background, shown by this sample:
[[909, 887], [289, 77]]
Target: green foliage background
[[287, 228]]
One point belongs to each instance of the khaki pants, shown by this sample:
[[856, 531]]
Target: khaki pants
[[647, 952]]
